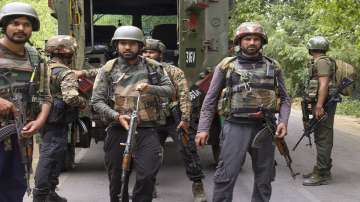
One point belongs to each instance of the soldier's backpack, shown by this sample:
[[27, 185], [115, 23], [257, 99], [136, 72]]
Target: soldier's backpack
[[343, 70]]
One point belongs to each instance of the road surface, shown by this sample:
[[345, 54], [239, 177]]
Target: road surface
[[88, 182]]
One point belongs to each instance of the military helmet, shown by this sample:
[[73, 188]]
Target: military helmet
[[318, 43], [19, 9], [128, 33], [250, 28], [61, 44], [154, 44]]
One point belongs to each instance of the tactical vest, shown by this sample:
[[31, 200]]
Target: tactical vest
[[312, 85], [248, 88], [123, 91], [60, 111], [24, 77], [57, 72]]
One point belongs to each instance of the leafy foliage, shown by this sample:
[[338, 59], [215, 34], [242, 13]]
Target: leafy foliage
[[48, 25], [349, 107], [289, 25]]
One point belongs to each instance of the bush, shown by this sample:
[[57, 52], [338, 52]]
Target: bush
[[349, 106]]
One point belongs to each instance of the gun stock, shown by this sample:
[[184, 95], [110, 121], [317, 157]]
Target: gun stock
[[25, 144], [270, 127], [127, 156]]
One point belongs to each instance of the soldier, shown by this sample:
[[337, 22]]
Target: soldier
[[245, 82], [179, 104], [114, 96], [66, 101], [22, 73], [321, 81]]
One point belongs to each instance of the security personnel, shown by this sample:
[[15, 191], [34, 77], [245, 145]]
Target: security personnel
[[19, 66], [114, 96], [321, 82], [244, 83], [154, 49], [66, 101]]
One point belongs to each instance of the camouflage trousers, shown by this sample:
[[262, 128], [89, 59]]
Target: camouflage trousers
[[324, 138], [188, 151]]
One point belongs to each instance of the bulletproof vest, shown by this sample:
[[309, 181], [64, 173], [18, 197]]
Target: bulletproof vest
[[124, 94], [250, 86], [312, 85], [20, 75], [60, 111]]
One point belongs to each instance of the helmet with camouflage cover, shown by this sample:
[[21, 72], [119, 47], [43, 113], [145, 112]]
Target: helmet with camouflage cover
[[318, 43], [154, 44], [18, 9], [250, 28], [61, 44], [128, 33]]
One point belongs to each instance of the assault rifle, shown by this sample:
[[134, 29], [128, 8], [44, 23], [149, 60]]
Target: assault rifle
[[129, 146], [313, 123], [270, 129], [20, 95]]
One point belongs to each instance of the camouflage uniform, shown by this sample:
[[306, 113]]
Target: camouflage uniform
[[19, 69], [64, 89], [322, 66], [177, 110], [120, 82], [181, 99], [240, 85], [114, 94], [11, 169]]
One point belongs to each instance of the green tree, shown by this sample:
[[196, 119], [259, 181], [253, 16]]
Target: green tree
[[291, 23]]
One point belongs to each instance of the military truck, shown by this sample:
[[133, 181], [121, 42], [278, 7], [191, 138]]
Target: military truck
[[194, 31]]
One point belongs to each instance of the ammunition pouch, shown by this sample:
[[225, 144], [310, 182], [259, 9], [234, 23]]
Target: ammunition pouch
[[224, 103], [311, 90], [62, 113]]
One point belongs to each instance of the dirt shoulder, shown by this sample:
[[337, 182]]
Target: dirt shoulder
[[347, 124]]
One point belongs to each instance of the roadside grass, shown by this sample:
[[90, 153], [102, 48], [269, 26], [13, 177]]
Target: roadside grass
[[348, 106]]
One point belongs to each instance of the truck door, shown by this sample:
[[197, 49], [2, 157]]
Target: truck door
[[202, 35]]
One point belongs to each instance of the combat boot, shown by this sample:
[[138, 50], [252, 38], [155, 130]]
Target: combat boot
[[317, 180], [54, 197], [314, 172], [198, 192], [39, 199], [154, 194], [40, 195]]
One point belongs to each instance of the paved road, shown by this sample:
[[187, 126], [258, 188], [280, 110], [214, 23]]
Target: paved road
[[88, 181]]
